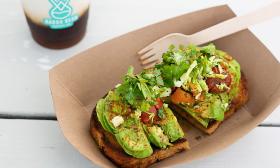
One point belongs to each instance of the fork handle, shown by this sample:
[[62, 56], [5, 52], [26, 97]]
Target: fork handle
[[235, 24]]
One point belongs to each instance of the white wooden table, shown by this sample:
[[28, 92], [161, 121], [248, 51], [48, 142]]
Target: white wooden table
[[29, 134]]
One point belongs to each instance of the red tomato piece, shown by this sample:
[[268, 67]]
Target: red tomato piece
[[145, 117], [227, 80], [216, 70], [159, 103]]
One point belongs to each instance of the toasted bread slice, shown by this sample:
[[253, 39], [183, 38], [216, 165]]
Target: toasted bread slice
[[236, 103], [111, 149]]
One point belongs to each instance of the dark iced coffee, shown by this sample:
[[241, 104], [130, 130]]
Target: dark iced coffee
[[57, 23]]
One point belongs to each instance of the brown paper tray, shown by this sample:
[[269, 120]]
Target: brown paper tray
[[79, 82]]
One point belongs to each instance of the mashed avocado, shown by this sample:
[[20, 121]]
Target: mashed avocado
[[211, 76]]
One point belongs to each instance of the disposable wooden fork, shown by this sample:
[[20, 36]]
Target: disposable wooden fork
[[151, 54]]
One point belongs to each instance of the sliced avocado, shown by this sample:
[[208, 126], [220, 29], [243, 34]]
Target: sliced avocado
[[118, 108], [100, 109], [103, 116], [110, 106], [170, 126], [203, 121], [216, 109], [213, 107], [108, 123], [234, 69], [115, 104], [112, 96], [156, 136], [133, 140]]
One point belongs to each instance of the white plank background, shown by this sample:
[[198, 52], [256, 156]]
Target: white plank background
[[24, 64], [25, 91], [40, 144]]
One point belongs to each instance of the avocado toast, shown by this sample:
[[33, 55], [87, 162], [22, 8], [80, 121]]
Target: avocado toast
[[208, 86], [133, 126]]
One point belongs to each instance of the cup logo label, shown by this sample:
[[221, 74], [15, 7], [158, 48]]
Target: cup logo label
[[61, 15]]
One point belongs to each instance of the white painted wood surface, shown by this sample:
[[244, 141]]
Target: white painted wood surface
[[24, 64], [24, 84], [40, 144], [274, 118]]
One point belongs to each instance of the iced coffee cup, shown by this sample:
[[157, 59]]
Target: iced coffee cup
[[57, 23]]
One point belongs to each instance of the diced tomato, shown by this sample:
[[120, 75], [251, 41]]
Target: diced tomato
[[227, 80], [153, 110], [159, 103], [213, 82], [216, 70], [145, 117]]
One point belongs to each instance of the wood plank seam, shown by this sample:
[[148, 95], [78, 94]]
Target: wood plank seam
[[27, 117], [53, 118]]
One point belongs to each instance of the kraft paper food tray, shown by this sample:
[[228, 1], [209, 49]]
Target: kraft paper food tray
[[79, 82]]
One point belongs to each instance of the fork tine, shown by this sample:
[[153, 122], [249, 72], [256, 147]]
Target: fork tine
[[144, 50], [147, 55], [149, 60], [147, 66], [150, 46]]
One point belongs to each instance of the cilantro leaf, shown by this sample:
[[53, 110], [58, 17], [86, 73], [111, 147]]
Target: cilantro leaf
[[173, 72]]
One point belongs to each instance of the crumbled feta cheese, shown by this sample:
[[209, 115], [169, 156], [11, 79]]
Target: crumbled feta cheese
[[178, 83], [117, 121]]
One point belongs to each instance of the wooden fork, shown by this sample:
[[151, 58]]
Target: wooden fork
[[151, 54]]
